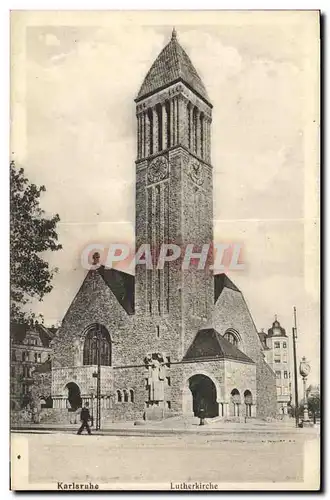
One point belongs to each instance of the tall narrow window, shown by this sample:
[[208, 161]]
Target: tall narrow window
[[160, 127], [189, 125], [151, 131], [97, 342], [131, 395], [168, 124], [202, 134], [195, 129]]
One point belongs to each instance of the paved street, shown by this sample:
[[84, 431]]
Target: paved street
[[252, 457]]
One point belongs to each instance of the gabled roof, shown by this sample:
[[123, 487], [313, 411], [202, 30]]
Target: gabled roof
[[222, 281], [19, 332], [208, 343], [122, 286], [172, 65]]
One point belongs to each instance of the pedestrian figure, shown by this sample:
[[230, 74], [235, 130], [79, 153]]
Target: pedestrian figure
[[84, 417]]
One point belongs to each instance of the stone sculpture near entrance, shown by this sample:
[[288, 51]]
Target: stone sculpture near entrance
[[156, 375]]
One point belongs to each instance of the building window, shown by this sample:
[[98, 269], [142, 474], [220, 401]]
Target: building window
[[35, 357], [13, 355], [278, 374], [285, 359], [276, 345], [232, 336], [169, 405], [277, 359], [119, 397], [284, 345], [131, 395], [278, 390], [285, 374], [97, 337], [168, 380], [39, 358], [125, 396], [285, 391], [158, 332]]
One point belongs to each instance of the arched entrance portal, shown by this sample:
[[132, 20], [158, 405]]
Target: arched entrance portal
[[74, 396], [204, 395]]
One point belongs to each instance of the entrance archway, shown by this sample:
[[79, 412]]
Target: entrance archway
[[204, 395], [74, 396]]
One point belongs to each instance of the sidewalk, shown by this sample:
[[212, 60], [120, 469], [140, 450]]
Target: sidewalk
[[175, 426]]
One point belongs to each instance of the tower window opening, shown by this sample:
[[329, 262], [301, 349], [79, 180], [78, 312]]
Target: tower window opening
[[151, 131], [160, 126], [189, 125], [158, 331], [202, 135], [195, 130], [168, 124]]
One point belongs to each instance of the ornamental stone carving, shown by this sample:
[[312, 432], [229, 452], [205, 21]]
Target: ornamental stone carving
[[196, 172], [158, 169]]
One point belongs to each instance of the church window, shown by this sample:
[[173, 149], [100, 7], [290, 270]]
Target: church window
[[276, 345], [284, 345], [131, 395], [160, 126], [158, 331], [97, 342], [202, 135], [285, 374], [169, 405], [125, 396], [195, 130], [168, 123], [232, 336], [278, 374], [151, 131], [119, 397], [13, 355]]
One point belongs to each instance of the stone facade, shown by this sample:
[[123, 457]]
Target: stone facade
[[145, 328]]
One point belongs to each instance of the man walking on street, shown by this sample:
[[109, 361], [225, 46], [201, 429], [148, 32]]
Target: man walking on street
[[84, 417]]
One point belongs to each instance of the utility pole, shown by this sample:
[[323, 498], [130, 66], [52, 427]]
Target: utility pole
[[294, 338]]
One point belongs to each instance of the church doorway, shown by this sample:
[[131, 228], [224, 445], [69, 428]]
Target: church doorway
[[204, 395], [74, 397]]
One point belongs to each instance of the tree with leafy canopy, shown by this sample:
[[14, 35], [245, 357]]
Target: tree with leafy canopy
[[31, 234]]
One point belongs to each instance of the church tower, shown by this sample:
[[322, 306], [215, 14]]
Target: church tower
[[174, 197]]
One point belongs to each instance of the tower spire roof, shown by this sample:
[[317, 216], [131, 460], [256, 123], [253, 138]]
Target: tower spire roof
[[172, 65]]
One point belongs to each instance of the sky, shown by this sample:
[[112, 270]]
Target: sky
[[74, 130]]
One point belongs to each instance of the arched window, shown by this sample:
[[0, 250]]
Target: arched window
[[151, 131], [232, 336], [131, 395], [125, 396], [119, 397], [168, 124], [160, 126], [248, 402], [189, 125], [195, 129], [236, 401], [202, 134], [97, 343]]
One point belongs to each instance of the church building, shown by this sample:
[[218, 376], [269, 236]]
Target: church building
[[169, 341]]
